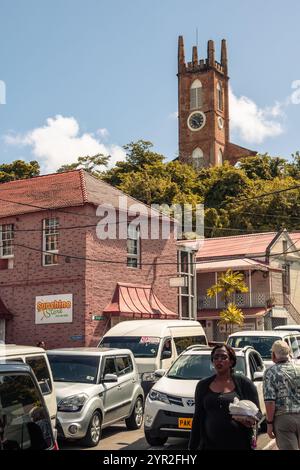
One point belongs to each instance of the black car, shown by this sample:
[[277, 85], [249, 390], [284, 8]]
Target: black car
[[24, 419]]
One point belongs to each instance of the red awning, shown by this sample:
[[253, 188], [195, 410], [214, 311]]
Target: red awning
[[4, 312], [136, 300], [215, 314]]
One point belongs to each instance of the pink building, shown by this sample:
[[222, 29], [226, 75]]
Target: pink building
[[61, 283]]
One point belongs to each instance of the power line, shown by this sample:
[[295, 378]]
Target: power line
[[166, 263]]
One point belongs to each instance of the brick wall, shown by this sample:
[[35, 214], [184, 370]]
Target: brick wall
[[92, 284]]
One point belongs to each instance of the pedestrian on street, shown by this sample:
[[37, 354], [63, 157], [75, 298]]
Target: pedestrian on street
[[41, 344], [213, 427], [281, 388]]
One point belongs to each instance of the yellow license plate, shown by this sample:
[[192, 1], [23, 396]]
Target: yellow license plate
[[185, 423]]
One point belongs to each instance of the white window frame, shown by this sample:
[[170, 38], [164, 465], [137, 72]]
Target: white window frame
[[189, 290], [136, 235], [3, 241], [196, 96], [53, 230]]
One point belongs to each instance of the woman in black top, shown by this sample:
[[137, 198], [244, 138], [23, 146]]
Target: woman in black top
[[213, 427]]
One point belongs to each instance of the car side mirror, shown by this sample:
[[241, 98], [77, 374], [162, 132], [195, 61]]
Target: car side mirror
[[166, 355], [109, 378], [257, 376], [159, 372]]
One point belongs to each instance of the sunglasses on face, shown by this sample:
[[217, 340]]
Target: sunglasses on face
[[220, 357]]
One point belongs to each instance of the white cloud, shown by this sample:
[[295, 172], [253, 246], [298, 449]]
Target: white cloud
[[254, 124], [103, 133], [59, 142], [295, 96]]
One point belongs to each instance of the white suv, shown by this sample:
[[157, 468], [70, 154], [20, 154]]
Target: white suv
[[95, 388], [169, 406]]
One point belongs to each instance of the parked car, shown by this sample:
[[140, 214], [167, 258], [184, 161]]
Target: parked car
[[37, 359], [155, 343], [24, 418], [95, 388], [288, 328], [262, 341], [169, 406]]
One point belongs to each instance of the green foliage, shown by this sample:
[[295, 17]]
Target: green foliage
[[263, 167], [18, 170], [228, 283], [232, 315], [91, 164]]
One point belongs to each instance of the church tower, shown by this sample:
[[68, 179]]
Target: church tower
[[203, 109]]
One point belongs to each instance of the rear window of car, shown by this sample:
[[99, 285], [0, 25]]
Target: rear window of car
[[40, 368], [24, 421], [262, 344], [186, 341], [72, 368]]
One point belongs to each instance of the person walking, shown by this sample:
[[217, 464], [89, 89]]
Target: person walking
[[213, 427], [281, 389]]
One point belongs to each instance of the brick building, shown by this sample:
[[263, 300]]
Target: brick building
[[58, 281], [203, 109]]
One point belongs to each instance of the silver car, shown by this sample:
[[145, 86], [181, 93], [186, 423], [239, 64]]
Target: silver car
[[95, 388]]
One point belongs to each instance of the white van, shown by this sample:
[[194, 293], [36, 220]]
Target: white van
[[155, 343], [37, 359]]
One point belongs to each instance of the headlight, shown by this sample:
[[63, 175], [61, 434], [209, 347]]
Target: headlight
[[158, 396], [73, 403], [149, 377]]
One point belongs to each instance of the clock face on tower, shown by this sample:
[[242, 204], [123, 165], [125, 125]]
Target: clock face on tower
[[196, 121]]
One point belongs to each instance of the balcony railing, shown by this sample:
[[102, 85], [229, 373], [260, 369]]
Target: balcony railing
[[246, 300]]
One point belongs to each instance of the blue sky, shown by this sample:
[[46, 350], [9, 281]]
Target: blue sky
[[93, 75]]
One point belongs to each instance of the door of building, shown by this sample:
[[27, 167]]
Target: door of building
[[2, 330]]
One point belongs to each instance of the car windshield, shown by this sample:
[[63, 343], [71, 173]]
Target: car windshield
[[71, 368], [141, 346], [198, 366], [262, 344]]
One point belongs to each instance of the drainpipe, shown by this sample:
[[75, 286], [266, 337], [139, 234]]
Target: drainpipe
[[250, 288]]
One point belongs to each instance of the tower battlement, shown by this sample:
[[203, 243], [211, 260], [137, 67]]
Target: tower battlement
[[202, 65]]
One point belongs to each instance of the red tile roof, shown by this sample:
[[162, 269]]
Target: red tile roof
[[135, 299], [239, 245], [55, 191], [42, 192]]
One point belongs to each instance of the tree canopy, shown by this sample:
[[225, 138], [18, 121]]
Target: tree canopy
[[18, 169]]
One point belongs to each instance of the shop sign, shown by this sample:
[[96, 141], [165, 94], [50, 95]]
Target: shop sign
[[54, 309]]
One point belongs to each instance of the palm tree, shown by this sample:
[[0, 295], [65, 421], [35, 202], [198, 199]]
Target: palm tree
[[229, 283]]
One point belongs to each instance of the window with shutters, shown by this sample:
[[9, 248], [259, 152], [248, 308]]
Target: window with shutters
[[196, 95]]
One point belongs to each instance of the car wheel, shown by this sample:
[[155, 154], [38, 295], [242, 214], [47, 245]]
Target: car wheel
[[155, 441], [135, 420], [93, 434]]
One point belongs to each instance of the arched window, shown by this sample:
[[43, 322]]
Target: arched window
[[220, 96], [220, 158], [198, 158], [196, 95]]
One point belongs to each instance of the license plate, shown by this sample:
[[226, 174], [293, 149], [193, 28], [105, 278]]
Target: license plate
[[185, 423]]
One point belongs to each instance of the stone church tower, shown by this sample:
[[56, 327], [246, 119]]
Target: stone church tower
[[203, 109]]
